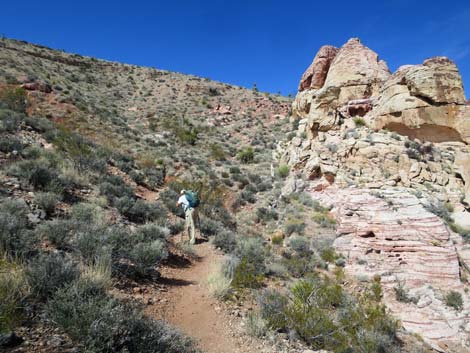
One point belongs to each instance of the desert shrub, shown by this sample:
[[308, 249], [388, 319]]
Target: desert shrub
[[298, 265], [48, 272], [89, 240], [300, 245], [277, 238], [9, 120], [246, 155], [175, 227], [234, 170], [10, 143], [217, 152], [14, 98], [324, 220], [249, 273], [15, 237], [283, 171], [139, 211], [247, 196], [294, 226], [38, 124], [359, 122], [47, 201], [57, 231], [329, 255], [86, 213], [114, 187], [252, 248], [255, 325], [454, 300], [13, 291], [225, 240], [219, 282], [265, 215], [273, 307], [246, 275], [150, 232], [145, 256], [402, 295], [41, 173], [209, 227]]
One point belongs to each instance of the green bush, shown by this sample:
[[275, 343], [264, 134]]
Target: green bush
[[273, 308], [454, 300], [225, 240], [48, 272], [246, 275], [359, 122], [140, 211], [402, 295], [321, 314], [150, 232], [217, 152], [294, 226], [265, 215], [89, 240], [300, 245], [113, 187], [13, 291], [209, 227], [47, 201], [103, 324], [57, 231], [14, 98], [283, 171], [9, 120], [246, 155], [255, 325], [9, 144], [16, 239], [145, 256]]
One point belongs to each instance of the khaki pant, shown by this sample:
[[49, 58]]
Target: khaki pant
[[189, 224]]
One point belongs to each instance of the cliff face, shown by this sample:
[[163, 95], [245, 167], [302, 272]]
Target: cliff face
[[387, 151]]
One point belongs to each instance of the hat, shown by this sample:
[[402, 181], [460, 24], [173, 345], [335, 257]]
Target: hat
[[183, 192]]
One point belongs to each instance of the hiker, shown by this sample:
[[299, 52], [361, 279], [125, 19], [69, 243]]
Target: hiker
[[188, 215]]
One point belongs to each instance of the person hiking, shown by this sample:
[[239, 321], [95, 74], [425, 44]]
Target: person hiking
[[188, 215]]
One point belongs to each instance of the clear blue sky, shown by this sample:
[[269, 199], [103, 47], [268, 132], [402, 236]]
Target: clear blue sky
[[243, 42]]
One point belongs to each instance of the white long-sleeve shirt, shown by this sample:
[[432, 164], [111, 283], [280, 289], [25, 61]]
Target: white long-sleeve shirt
[[183, 201]]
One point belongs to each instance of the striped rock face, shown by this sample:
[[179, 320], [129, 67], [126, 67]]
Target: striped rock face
[[389, 233]]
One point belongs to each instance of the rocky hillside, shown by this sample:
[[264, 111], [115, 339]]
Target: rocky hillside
[[389, 153]]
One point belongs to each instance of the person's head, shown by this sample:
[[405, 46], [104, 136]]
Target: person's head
[[183, 192]]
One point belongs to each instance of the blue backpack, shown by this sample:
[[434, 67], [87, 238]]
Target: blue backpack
[[193, 198]]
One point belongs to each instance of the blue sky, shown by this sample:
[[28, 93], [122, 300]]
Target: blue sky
[[242, 42]]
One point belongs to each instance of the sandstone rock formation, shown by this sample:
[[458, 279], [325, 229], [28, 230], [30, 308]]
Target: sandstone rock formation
[[427, 101], [315, 75], [379, 148], [391, 234]]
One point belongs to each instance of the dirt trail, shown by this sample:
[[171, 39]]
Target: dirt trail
[[189, 306]]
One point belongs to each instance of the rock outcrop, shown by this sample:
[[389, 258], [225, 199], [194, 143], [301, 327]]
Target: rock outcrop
[[315, 76], [390, 234], [378, 148], [426, 99]]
